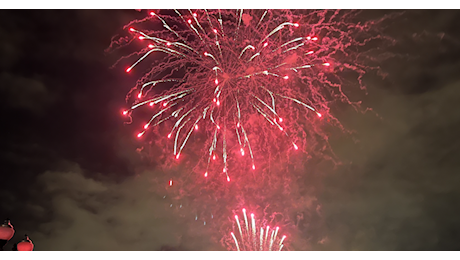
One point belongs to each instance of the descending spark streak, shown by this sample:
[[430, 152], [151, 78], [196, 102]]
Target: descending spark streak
[[247, 47], [266, 235], [223, 66], [239, 23], [281, 242], [254, 231], [287, 43], [261, 18], [261, 238], [253, 241], [236, 241], [246, 222], [281, 26], [239, 226], [190, 132]]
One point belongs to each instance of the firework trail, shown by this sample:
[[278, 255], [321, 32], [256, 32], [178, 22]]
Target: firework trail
[[246, 80], [251, 235]]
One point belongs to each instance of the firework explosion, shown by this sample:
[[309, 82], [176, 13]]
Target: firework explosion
[[250, 237], [248, 81], [245, 90]]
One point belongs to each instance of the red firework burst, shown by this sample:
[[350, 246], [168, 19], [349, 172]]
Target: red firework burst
[[244, 79]]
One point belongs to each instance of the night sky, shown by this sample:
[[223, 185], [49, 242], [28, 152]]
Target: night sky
[[72, 179]]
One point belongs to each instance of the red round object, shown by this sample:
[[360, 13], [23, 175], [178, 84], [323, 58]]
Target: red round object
[[6, 232], [25, 246]]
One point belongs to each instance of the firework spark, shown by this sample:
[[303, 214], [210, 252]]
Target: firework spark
[[253, 238], [224, 70]]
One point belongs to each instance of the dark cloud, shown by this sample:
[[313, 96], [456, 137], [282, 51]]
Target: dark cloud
[[82, 213], [401, 191], [25, 93]]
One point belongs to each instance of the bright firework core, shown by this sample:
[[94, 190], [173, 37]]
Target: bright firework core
[[254, 237], [240, 77]]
